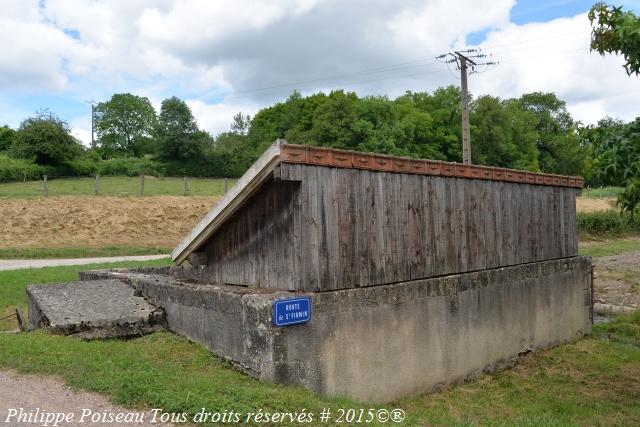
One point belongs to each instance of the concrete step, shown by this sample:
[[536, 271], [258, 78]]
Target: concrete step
[[92, 309]]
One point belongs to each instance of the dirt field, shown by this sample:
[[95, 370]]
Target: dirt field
[[88, 221], [69, 221], [584, 204]]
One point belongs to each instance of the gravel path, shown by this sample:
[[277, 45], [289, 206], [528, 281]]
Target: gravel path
[[50, 395], [16, 264], [616, 280]]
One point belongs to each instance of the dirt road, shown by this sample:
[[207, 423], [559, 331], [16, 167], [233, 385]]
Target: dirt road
[[48, 395]]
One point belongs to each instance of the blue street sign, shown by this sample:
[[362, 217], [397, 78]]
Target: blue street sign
[[291, 311]]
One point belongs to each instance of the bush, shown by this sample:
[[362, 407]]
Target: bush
[[629, 199], [19, 169], [46, 139], [132, 166], [82, 167], [607, 223]]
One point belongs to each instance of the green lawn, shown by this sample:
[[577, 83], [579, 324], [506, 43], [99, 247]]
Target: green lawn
[[602, 192], [116, 186], [595, 381], [607, 247]]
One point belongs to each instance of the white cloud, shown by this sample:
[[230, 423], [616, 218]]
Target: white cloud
[[193, 22], [81, 129], [434, 25], [32, 51], [82, 135], [206, 50], [217, 118], [555, 57]]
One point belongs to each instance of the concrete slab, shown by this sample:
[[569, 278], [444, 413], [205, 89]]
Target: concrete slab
[[93, 309]]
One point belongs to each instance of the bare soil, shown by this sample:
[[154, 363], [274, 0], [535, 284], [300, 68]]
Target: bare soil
[[152, 221], [585, 204], [50, 394], [71, 221], [616, 279]]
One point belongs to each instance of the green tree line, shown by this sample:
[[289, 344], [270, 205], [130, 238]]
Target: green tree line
[[533, 132]]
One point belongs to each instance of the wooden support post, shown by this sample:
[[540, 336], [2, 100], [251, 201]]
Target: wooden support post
[[97, 189], [226, 185], [22, 324], [186, 185], [142, 184], [46, 187]]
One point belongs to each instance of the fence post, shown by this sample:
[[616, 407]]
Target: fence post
[[46, 187], [226, 185], [186, 185], [97, 189], [142, 184]]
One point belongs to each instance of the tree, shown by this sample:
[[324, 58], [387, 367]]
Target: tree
[[46, 139], [7, 136], [241, 124], [124, 124], [176, 133], [333, 120], [442, 138], [230, 155], [502, 134], [614, 149], [617, 32], [629, 199], [557, 136]]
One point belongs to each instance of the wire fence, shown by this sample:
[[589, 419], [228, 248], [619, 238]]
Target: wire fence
[[143, 185]]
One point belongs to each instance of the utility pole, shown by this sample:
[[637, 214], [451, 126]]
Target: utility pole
[[464, 61], [93, 106], [464, 98]]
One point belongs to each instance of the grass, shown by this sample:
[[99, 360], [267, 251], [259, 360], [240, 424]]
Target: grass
[[608, 223], [82, 252], [116, 186], [606, 247], [624, 329], [595, 381], [602, 192]]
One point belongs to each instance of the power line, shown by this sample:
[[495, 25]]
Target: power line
[[545, 54], [428, 71], [415, 63]]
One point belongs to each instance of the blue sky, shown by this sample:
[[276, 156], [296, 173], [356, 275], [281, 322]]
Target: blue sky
[[224, 57]]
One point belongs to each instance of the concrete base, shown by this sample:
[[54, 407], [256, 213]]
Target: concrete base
[[92, 310], [384, 342]]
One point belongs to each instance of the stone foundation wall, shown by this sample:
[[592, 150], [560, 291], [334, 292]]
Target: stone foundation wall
[[383, 342]]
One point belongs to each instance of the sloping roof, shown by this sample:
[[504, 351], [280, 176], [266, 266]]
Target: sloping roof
[[280, 151], [253, 178]]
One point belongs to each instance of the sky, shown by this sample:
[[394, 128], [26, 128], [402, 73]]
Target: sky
[[224, 57]]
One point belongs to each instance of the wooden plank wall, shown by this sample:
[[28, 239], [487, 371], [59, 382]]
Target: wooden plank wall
[[355, 228], [254, 248]]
